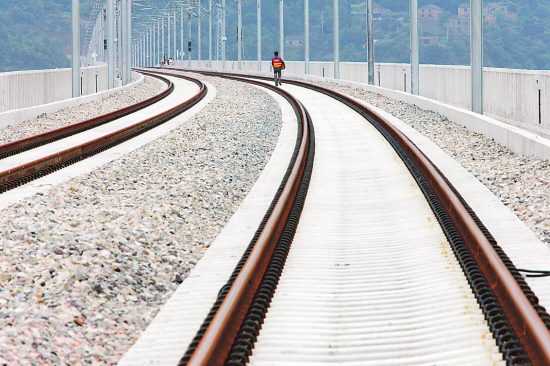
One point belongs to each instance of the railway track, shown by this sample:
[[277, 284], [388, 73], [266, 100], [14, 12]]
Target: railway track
[[25, 160], [369, 208], [325, 217]]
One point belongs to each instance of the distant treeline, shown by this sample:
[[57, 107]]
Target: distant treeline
[[36, 34]]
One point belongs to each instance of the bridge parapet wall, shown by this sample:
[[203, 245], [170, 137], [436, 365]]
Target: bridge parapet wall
[[520, 98], [26, 89]]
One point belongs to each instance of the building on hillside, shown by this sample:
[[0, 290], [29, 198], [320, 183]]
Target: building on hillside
[[430, 13], [503, 7], [379, 14], [490, 9], [464, 10], [461, 25], [458, 25], [361, 9]]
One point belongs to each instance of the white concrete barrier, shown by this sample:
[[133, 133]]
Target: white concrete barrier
[[518, 97], [31, 88], [91, 81]]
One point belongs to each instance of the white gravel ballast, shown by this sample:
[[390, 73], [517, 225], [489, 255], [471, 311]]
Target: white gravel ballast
[[86, 265]]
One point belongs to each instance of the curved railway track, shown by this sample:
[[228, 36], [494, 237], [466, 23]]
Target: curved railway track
[[23, 171], [231, 329], [517, 322]]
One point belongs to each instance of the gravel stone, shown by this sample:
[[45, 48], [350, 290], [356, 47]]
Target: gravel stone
[[86, 265]]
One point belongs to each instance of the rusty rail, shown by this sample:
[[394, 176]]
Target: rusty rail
[[32, 142], [525, 320], [528, 325], [22, 174], [218, 338]]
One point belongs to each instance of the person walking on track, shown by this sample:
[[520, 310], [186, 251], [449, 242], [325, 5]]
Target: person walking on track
[[278, 65]]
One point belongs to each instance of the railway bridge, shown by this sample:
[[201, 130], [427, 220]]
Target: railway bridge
[[205, 216]]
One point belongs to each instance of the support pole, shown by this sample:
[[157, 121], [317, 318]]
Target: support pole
[[168, 36], [199, 49], [75, 61], [306, 20], [119, 39], [181, 34], [336, 41], [259, 26], [281, 31], [175, 43], [151, 47], [224, 38], [124, 41], [370, 41], [129, 42], [415, 60], [476, 54], [239, 35], [189, 28], [210, 33], [159, 56]]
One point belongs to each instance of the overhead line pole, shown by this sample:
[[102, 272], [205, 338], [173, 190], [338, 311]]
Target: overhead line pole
[[151, 46], [124, 40], [259, 26], [210, 33], [119, 39], [336, 41], [189, 29], [129, 41], [199, 49], [75, 61], [415, 61], [476, 54], [175, 34], [281, 30], [181, 34], [224, 38], [169, 18], [159, 56], [370, 41], [239, 35], [306, 20]]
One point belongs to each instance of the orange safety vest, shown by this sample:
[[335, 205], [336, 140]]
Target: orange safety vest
[[277, 63]]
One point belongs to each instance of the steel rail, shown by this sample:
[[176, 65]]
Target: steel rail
[[35, 141], [526, 322], [24, 173], [216, 342]]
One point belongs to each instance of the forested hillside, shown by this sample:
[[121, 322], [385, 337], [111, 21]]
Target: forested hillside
[[36, 34], [521, 43]]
